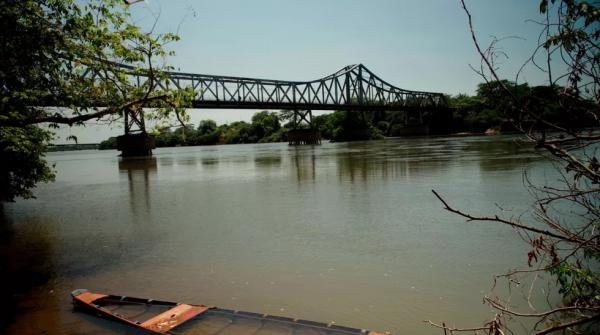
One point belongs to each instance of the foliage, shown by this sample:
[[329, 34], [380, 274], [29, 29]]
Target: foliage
[[342, 126], [265, 127], [491, 107], [50, 49], [22, 151], [469, 113], [110, 143], [564, 240], [238, 132], [264, 124], [207, 127]]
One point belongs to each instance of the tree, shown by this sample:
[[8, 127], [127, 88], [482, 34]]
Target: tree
[[265, 123], [21, 152], [60, 64], [108, 144], [564, 242], [352, 126], [238, 132], [207, 127]]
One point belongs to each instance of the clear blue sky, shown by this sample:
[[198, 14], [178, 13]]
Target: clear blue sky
[[418, 45]]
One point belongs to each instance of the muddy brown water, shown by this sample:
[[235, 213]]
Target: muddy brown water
[[344, 232]]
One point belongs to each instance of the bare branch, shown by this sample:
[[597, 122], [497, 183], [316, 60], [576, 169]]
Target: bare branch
[[574, 323], [454, 329], [495, 304], [500, 220], [84, 117]]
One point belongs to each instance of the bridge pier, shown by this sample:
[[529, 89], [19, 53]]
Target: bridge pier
[[136, 145], [136, 142], [304, 136], [303, 132]]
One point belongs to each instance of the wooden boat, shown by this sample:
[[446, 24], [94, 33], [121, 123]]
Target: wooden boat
[[164, 317]]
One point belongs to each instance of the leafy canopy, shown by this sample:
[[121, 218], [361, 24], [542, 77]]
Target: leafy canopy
[[59, 66]]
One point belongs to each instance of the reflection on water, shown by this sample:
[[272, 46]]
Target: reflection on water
[[137, 172], [304, 162], [348, 232], [419, 157], [271, 162]]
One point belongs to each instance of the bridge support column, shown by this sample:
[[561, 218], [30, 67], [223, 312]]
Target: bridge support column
[[136, 145], [304, 132], [135, 142], [304, 136]]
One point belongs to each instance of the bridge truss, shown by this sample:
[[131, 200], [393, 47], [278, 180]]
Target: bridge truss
[[352, 88]]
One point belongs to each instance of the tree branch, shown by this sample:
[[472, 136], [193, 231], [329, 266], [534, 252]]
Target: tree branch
[[504, 221], [498, 306], [81, 118], [454, 329], [574, 323]]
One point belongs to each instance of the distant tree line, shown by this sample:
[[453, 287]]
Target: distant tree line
[[487, 110], [264, 127], [491, 108]]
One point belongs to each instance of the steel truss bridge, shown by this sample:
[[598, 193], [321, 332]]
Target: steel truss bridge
[[352, 88]]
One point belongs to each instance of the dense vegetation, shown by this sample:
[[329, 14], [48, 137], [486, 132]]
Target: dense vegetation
[[492, 108], [264, 127]]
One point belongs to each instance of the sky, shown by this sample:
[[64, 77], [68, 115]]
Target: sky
[[417, 45]]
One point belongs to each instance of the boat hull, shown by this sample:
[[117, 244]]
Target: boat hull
[[164, 317]]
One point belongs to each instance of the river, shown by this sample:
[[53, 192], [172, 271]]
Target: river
[[344, 232]]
